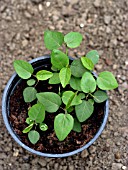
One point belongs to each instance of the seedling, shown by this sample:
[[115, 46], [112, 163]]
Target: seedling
[[84, 87]]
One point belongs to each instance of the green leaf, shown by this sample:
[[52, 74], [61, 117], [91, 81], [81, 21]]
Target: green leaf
[[27, 129], [37, 113], [23, 69], [75, 83], [33, 136], [50, 100], [53, 39], [29, 94], [28, 120], [73, 39], [54, 79], [84, 110], [106, 81], [91, 101], [54, 68], [77, 68], [81, 95], [65, 75], [43, 75], [31, 82], [87, 63], [59, 59], [77, 126], [70, 98], [70, 109], [43, 127], [88, 83], [63, 125], [100, 96], [93, 56]]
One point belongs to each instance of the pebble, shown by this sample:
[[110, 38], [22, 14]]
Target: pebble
[[107, 19], [48, 4], [40, 7], [97, 3], [92, 149], [114, 41], [116, 166], [24, 43], [42, 162], [56, 165], [117, 155], [25, 166], [124, 167], [84, 153], [71, 167], [27, 15], [16, 152], [108, 30], [72, 2]]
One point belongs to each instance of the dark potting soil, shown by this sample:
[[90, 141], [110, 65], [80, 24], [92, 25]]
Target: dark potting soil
[[48, 142]]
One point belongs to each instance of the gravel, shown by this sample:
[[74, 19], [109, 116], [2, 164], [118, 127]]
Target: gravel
[[104, 28]]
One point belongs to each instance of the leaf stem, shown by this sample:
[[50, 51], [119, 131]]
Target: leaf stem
[[94, 97], [36, 83], [66, 50]]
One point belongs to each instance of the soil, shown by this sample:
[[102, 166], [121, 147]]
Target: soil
[[48, 142], [104, 26]]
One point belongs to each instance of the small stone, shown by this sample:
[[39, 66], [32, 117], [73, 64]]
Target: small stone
[[116, 166], [97, 3], [124, 167], [99, 66], [71, 167], [24, 43], [48, 4], [3, 156], [56, 165], [27, 15], [115, 66], [16, 152], [92, 149], [42, 162], [26, 157], [108, 30], [2, 8], [116, 133], [117, 155], [64, 167], [25, 166], [72, 2], [84, 153], [107, 19], [126, 62], [114, 41], [40, 7], [81, 25]]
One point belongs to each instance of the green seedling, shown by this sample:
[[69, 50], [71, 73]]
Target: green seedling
[[77, 103]]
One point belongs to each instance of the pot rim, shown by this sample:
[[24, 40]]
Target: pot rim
[[15, 137]]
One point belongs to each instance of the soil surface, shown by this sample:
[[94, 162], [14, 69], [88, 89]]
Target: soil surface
[[104, 25], [48, 142]]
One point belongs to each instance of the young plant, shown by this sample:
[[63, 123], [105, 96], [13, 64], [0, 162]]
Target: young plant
[[84, 88]]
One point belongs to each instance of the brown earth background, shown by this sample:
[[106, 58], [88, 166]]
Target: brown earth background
[[104, 25]]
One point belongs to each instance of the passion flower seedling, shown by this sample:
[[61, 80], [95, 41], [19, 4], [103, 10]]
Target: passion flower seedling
[[78, 87]]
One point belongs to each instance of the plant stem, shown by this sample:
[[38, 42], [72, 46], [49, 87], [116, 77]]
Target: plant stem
[[66, 51], [93, 96], [36, 83]]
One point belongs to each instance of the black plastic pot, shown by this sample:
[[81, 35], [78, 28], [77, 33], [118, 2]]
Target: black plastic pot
[[14, 80]]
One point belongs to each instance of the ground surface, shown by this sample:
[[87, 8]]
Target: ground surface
[[104, 26]]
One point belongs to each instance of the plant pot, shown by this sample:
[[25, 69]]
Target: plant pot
[[12, 83]]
